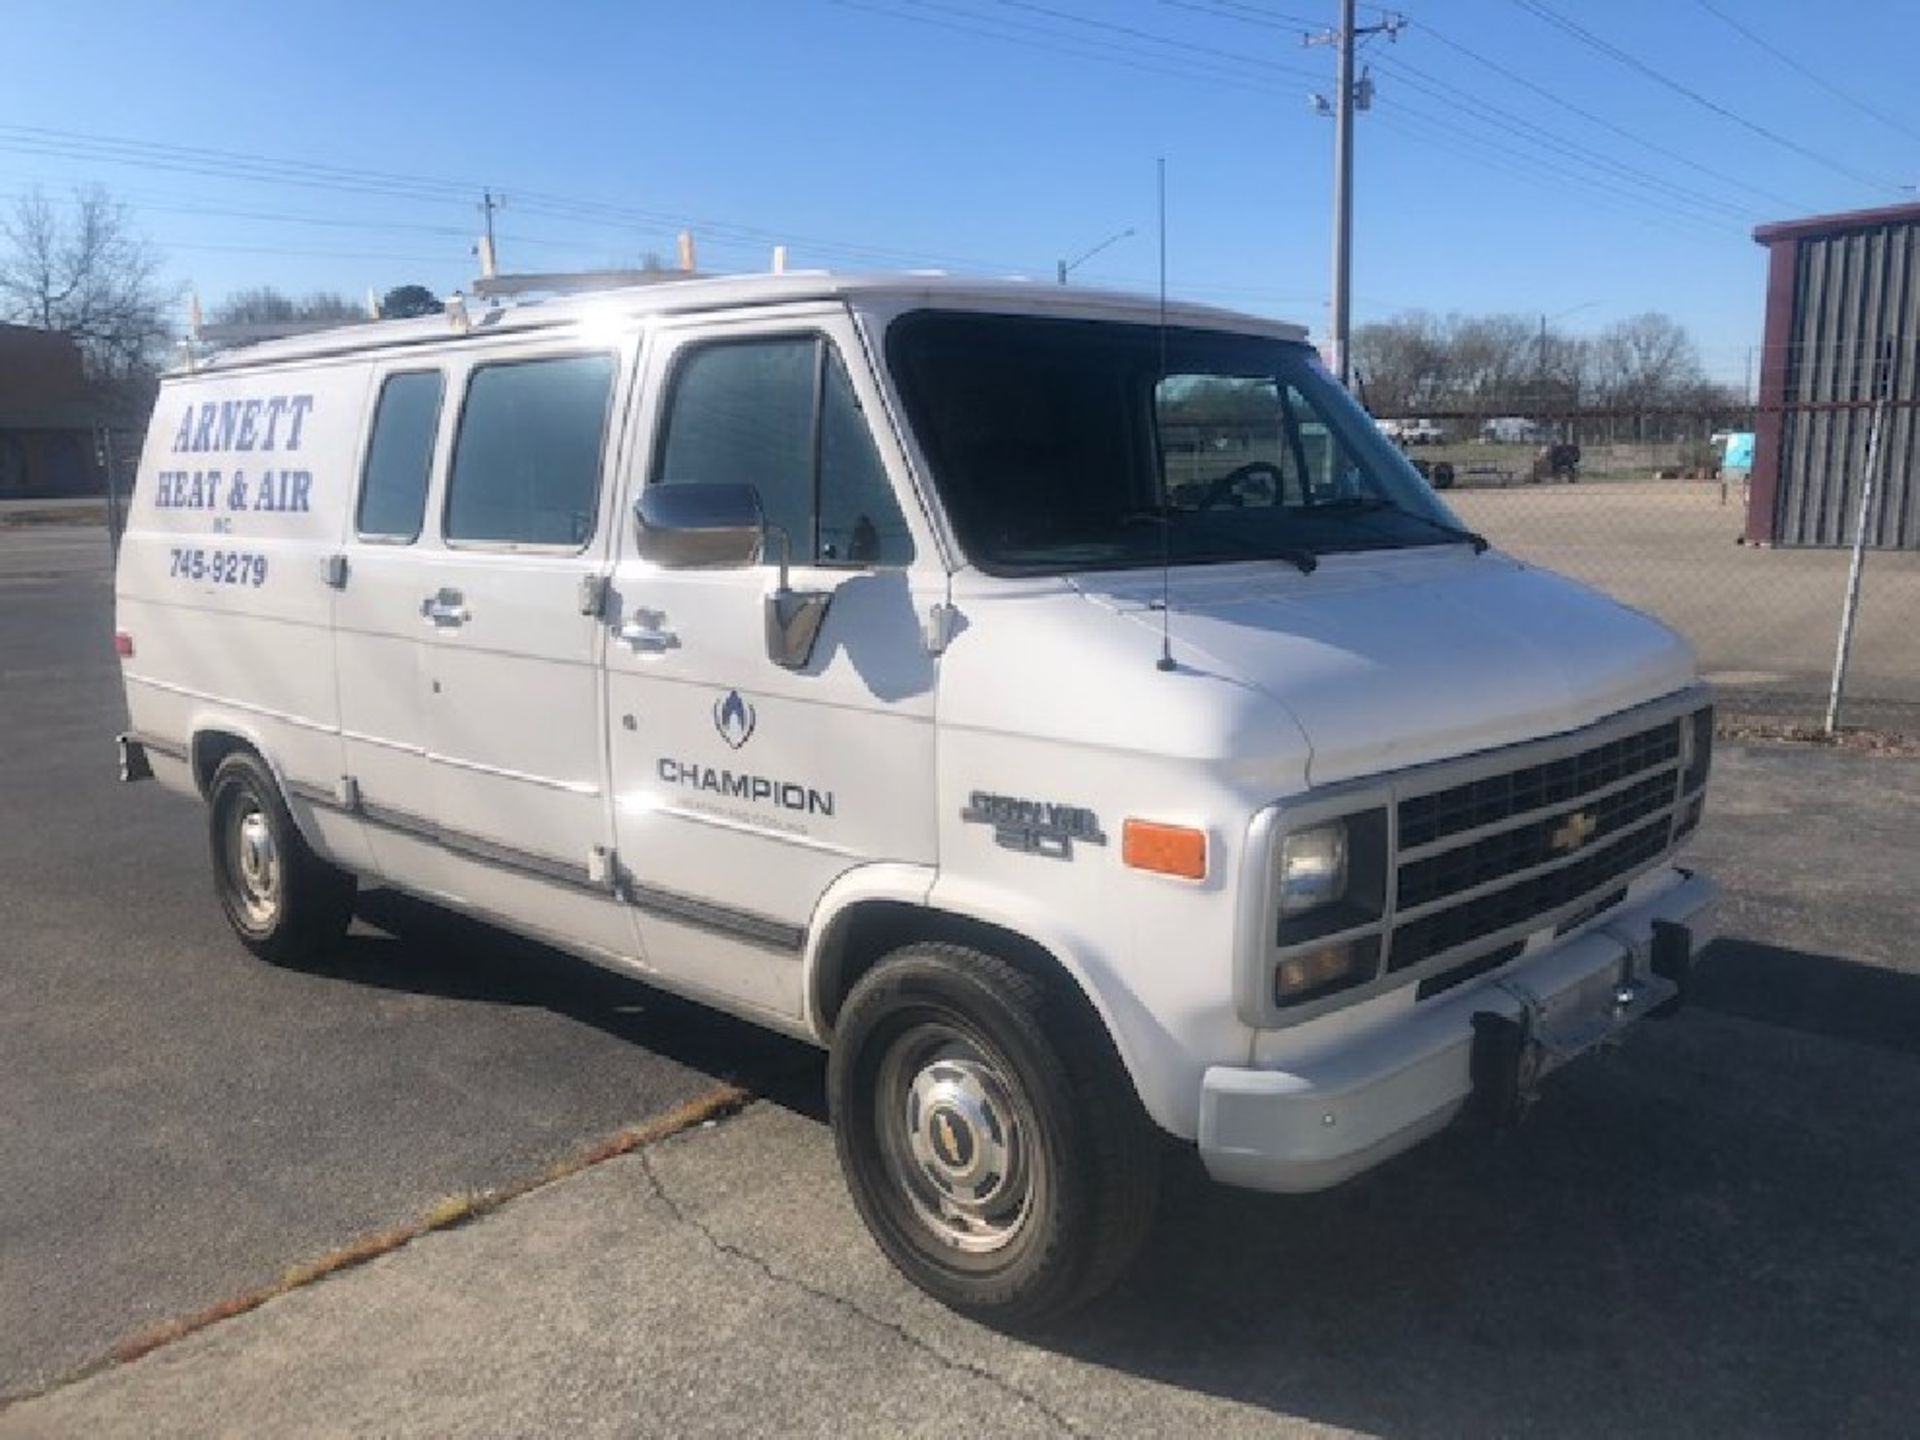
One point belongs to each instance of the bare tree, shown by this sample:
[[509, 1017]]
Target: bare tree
[[1402, 363], [264, 305], [86, 272], [1645, 360]]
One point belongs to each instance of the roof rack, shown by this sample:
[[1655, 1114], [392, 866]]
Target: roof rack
[[575, 282]]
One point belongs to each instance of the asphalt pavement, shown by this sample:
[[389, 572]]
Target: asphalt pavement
[[183, 1121], [1705, 1230]]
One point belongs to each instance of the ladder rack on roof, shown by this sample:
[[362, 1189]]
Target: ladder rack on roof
[[255, 332], [575, 282]]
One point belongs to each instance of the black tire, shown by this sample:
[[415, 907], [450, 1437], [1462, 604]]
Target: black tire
[[1079, 1148], [284, 902]]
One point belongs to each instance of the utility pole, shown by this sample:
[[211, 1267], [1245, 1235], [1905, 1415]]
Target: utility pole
[[489, 252], [1349, 95]]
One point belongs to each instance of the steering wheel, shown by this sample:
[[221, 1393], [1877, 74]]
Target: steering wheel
[[1226, 484]]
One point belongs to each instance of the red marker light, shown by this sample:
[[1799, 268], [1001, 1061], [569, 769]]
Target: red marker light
[[123, 644]]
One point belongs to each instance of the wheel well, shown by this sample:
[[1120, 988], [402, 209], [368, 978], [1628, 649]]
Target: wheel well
[[864, 933], [210, 747]]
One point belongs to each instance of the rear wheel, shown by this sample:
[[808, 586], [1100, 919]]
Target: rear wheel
[[989, 1134], [283, 901]]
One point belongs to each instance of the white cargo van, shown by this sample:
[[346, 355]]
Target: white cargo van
[[1087, 727]]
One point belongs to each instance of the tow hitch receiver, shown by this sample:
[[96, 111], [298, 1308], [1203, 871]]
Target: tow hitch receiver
[[1504, 1067], [1672, 960], [1512, 1054]]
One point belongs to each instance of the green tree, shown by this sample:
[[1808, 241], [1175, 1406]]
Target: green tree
[[406, 301]]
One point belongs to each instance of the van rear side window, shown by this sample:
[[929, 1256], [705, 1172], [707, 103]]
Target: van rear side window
[[393, 491], [526, 465]]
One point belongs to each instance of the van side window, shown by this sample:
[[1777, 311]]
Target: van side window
[[742, 414], [780, 414], [526, 463], [393, 490]]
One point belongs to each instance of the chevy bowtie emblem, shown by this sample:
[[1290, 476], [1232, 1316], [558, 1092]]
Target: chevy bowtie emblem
[[1573, 832], [949, 1140]]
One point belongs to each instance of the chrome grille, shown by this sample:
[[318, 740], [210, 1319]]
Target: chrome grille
[[1519, 846], [1427, 818], [1526, 900], [1456, 864]]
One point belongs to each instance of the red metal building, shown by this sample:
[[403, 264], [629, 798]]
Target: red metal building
[[48, 416], [1842, 342]]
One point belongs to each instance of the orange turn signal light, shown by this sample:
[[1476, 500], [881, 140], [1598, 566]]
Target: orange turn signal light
[[1164, 849]]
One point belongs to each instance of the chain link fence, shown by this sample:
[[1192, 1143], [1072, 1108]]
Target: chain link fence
[[1644, 508]]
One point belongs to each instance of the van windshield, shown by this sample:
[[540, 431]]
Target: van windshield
[[1063, 445]]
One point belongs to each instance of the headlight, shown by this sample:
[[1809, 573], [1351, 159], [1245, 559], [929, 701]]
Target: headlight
[[1313, 868]]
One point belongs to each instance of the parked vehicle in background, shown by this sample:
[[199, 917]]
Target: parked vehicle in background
[[1558, 461], [1413, 432], [1066, 708], [1512, 430], [1438, 474]]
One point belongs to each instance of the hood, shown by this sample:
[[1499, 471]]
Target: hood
[[1390, 659]]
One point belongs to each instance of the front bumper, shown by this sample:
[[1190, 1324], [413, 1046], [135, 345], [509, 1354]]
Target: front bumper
[[1314, 1126]]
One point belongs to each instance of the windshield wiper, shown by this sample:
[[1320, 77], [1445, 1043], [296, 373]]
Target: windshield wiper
[[1361, 504]]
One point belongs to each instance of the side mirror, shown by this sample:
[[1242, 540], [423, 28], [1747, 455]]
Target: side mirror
[[700, 527], [722, 527]]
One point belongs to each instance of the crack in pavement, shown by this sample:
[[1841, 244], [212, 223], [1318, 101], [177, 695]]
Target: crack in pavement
[[893, 1327]]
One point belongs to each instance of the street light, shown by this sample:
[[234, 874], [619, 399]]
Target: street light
[[1064, 268]]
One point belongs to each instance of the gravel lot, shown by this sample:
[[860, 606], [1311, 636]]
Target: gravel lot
[[1764, 622], [1706, 1230]]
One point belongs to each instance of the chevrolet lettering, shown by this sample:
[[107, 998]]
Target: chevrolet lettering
[[1069, 712]]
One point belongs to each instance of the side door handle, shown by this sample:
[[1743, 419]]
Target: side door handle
[[646, 631], [447, 607]]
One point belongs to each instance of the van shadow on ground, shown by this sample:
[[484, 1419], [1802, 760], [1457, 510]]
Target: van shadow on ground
[[1708, 1230], [425, 950]]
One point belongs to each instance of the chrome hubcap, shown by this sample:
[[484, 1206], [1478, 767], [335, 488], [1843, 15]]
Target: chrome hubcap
[[255, 863], [954, 1140]]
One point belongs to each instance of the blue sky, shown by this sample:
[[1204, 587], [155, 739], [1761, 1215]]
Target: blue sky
[[979, 135]]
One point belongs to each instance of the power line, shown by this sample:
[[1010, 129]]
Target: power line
[[1794, 65], [1633, 62], [1110, 53], [243, 167], [1524, 128], [1150, 36], [1251, 14], [1520, 79], [1536, 172]]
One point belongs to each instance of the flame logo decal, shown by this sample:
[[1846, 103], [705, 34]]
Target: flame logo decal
[[733, 718]]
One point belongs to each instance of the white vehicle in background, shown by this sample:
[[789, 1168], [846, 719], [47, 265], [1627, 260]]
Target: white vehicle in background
[[1513, 430], [1413, 432], [1089, 729]]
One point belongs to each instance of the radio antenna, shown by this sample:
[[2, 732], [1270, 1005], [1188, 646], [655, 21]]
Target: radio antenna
[[1165, 661]]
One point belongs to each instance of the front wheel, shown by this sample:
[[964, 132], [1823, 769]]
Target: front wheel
[[283, 901], [989, 1134]]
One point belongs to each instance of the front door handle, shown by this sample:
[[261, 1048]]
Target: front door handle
[[448, 607], [646, 631]]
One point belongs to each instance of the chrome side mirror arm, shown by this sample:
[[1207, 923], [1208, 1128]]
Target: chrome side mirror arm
[[794, 617]]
